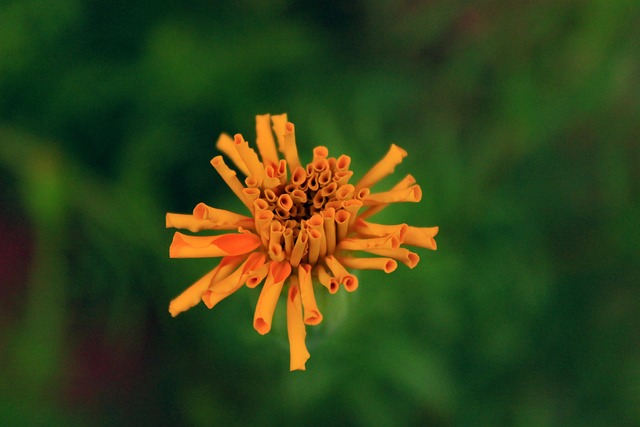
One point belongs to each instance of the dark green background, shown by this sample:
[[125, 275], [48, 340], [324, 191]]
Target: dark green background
[[522, 124]]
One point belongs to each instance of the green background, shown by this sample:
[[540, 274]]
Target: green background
[[521, 120]]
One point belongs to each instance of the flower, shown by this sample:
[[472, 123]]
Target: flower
[[307, 225]]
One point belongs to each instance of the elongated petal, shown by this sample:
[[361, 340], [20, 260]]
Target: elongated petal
[[365, 228], [349, 281], [331, 283], [405, 256], [219, 290], [249, 157], [422, 237], [385, 242], [290, 148], [264, 140], [411, 194], [384, 167], [405, 182], [387, 265], [226, 145], [296, 330], [191, 223], [312, 315], [279, 122], [185, 246], [192, 295], [221, 217], [231, 179], [278, 272]]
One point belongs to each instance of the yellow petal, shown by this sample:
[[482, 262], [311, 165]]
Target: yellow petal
[[365, 228], [296, 329], [185, 246], [278, 272], [189, 222], [312, 315], [405, 182], [226, 145], [383, 168], [279, 122], [290, 148], [328, 281]]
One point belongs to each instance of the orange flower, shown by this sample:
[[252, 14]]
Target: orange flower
[[307, 222]]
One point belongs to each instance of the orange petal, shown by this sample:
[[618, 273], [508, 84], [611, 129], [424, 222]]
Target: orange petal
[[300, 248], [328, 281], [296, 330], [387, 265], [231, 179], [349, 281], [411, 194], [249, 157], [221, 289], [279, 122], [328, 218], [383, 168], [226, 145], [422, 237], [384, 242], [405, 182], [312, 315], [192, 295], [189, 222], [185, 246], [222, 218], [365, 228], [264, 140], [405, 256], [290, 148], [278, 272]]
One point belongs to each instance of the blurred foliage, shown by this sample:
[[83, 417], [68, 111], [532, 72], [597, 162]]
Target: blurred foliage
[[521, 120]]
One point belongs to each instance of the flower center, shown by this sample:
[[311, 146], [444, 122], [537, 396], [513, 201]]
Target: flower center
[[303, 218]]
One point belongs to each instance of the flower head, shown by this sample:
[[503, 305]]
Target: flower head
[[307, 225]]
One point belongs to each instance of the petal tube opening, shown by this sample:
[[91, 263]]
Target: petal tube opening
[[268, 299], [296, 329]]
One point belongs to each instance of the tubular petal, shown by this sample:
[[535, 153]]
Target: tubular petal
[[422, 237], [411, 194], [185, 246], [405, 182], [384, 167], [328, 281], [279, 122], [189, 222], [312, 315], [264, 140], [249, 157], [226, 145], [192, 295], [349, 281], [296, 330], [365, 228], [290, 148], [268, 298], [384, 242], [387, 265], [219, 290], [405, 256], [231, 179], [220, 217]]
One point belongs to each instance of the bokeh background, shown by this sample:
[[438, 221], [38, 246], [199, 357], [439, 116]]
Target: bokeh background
[[522, 124]]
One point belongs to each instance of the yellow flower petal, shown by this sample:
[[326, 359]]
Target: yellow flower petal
[[405, 256], [296, 329], [222, 218], [331, 283], [279, 122], [249, 157], [355, 244], [290, 148], [188, 222], [365, 228], [278, 272], [404, 183]]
